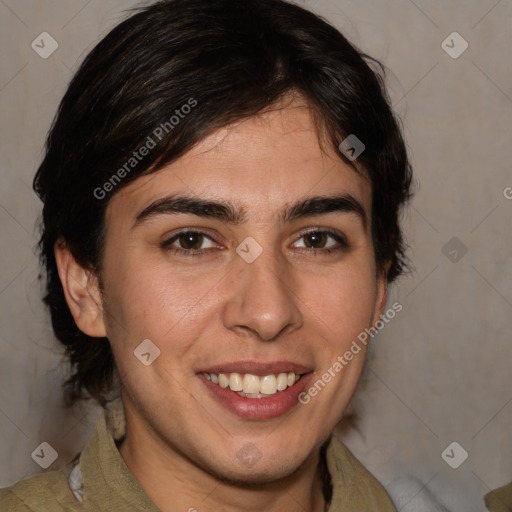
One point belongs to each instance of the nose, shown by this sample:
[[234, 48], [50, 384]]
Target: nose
[[262, 300]]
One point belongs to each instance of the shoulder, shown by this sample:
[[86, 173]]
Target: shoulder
[[353, 483], [46, 492], [500, 500]]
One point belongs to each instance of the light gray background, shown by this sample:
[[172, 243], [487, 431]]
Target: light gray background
[[441, 371]]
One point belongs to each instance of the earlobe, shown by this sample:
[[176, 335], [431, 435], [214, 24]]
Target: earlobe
[[82, 292]]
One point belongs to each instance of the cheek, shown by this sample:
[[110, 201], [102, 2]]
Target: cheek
[[344, 301], [167, 309], [155, 301]]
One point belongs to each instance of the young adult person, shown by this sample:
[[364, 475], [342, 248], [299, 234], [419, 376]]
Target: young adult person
[[222, 188]]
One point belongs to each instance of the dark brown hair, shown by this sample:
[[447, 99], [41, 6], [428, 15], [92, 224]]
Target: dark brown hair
[[231, 59]]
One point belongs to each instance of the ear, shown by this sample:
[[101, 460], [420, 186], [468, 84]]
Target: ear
[[82, 292], [382, 293]]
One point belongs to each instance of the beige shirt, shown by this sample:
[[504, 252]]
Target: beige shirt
[[100, 480], [500, 500]]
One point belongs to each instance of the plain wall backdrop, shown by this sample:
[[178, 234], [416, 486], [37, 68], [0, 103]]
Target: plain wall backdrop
[[441, 370]]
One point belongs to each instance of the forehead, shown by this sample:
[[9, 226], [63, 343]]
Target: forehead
[[262, 162]]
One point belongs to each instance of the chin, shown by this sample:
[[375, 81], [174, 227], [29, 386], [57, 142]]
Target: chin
[[248, 467], [260, 476]]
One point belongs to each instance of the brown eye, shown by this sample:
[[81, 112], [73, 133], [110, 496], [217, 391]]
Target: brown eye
[[190, 243], [322, 242], [190, 240], [315, 240]]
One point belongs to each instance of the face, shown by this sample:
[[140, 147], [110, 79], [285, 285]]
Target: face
[[249, 264]]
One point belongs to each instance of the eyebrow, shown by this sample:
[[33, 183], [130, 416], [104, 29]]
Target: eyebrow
[[236, 215]]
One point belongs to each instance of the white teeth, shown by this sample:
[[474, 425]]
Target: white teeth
[[251, 383], [282, 381], [253, 386], [235, 382], [223, 380], [268, 385]]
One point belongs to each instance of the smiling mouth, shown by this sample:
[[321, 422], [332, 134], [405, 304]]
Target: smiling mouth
[[253, 386]]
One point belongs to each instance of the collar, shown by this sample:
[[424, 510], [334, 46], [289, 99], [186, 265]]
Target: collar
[[102, 477]]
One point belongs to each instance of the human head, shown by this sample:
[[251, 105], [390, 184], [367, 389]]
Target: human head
[[210, 64]]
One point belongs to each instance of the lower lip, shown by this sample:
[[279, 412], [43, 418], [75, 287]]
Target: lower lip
[[258, 408]]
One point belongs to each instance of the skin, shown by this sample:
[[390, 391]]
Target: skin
[[295, 302]]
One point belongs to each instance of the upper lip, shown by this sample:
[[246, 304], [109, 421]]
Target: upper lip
[[258, 368]]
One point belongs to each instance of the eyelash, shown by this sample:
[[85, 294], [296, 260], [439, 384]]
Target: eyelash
[[338, 237]]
